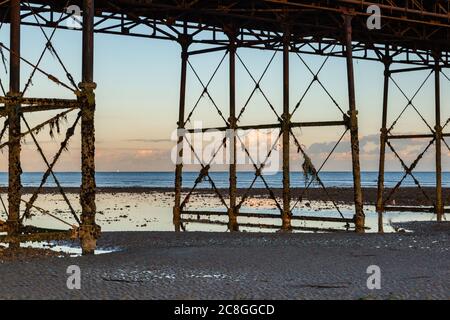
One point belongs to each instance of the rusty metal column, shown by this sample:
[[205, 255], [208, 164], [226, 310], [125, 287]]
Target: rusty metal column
[[438, 128], [14, 167], [89, 231], [286, 216], [383, 137], [353, 113], [233, 211], [184, 42]]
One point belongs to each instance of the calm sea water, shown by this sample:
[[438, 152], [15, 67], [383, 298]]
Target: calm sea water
[[166, 179]]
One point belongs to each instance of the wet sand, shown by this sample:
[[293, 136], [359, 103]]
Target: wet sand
[[163, 265], [142, 209]]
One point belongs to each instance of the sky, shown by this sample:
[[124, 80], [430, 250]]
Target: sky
[[138, 91]]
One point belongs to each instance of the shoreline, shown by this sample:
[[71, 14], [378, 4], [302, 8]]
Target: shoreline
[[406, 196]]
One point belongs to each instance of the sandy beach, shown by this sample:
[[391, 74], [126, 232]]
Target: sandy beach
[[142, 258], [163, 265]]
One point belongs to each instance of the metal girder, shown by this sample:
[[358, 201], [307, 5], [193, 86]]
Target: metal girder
[[435, 137], [16, 104], [414, 33], [38, 104], [285, 125]]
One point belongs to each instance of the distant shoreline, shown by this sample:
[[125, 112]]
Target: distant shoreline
[[406, 196], [213, 171]]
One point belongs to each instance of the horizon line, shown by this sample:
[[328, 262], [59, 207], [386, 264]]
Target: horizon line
[[246, 171]]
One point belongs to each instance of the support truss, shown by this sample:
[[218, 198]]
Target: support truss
[[15, 107], [435, 137], [284, 124]]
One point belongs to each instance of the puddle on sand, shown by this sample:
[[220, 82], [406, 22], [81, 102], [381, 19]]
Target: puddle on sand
[[72, 251], [153, 212], [65, 249]]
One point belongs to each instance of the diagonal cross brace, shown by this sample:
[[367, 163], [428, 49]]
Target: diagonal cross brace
[[408, 171], [205, 91], [316, 175], [204, 173], [70, 132], [49, 46], [410, 102], [50, 167], [258, 88], [258, 174], [316, 78]]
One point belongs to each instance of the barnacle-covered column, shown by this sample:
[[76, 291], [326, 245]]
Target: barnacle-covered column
[[13, 111], [184, 40], [89, 231], [353, 114]]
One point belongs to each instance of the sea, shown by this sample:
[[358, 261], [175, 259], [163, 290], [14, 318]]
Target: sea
[[166, 179]]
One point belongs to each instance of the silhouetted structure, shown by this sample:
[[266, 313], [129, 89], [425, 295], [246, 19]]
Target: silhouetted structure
[[415, 33]]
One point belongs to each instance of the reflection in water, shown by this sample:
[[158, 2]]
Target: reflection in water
[[153, 212]]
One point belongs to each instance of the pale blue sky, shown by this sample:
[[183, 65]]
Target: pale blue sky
[[137, 99]]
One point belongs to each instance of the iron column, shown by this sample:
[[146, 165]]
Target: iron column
[[353, 113], [14, 167], [89, 231], [438, 128], [232, 211], [383, 137], [286, 216], [184, 42]]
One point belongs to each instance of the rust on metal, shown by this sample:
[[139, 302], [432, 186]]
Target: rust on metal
[[286, 126], [89, 231], [14, 122], [353, 114], [439, 137], [233, 209], [383, 138], [184, 41], [417, 34]]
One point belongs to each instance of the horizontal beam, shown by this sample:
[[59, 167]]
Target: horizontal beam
[[410, 69], [412, 40], [274, 126], [262, 226], [268, 216], [319, 124], [413, 209], [410, 136], [38, 101], [209, 50], [414, 136], [38, 104]]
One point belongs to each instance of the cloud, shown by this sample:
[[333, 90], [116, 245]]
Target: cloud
[[408, 150], [158, 157], [150, 140]]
